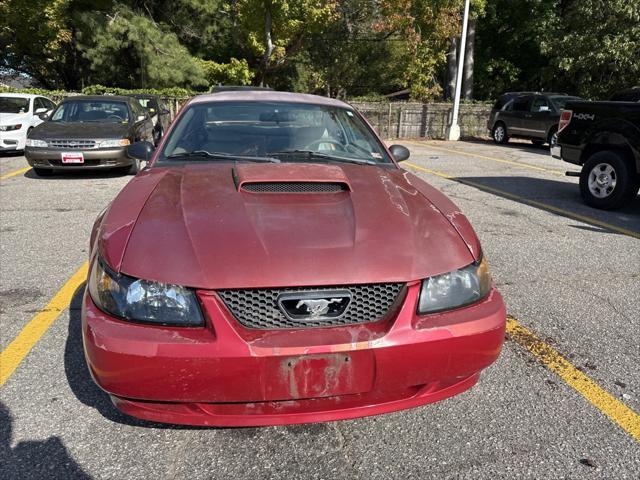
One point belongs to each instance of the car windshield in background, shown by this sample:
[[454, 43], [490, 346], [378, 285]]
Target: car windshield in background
[[14, 105], [148, 103], [560, 101], [91, 111], [269, 130]]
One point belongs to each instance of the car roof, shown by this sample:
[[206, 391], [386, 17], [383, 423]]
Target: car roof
[[268, 96], [514, 94], [22, 95], [117, 98]]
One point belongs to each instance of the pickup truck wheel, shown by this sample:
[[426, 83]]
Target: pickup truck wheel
[[499, 133], [607, 181], [553, 137]]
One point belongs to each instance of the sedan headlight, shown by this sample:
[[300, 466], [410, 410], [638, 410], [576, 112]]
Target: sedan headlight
[[117, 142], [31, 142], [455, 289], [143, 300], [9, 128]]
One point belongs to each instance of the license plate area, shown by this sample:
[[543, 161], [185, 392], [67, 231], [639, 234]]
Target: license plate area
[[319, 375], [72, 157]]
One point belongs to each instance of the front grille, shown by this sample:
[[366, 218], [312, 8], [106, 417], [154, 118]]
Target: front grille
[[72, 144], [259, 308], [294, 187]]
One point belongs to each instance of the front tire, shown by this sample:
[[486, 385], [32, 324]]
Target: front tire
[[499, 133], [608, 181], [553, 137]]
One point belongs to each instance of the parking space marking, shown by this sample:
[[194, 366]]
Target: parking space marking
[[493, 159], [613, 408], [532, 203], [18, 349], [14, 173]]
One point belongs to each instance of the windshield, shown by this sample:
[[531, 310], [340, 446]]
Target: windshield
[[148, 103], [559, 102], [91, 111], [286, 131], [14, 105]]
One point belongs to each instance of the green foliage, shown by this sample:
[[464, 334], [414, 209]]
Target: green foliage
[[597, 46], [236, 72], [341, 48], [172, 92], [130, 50]]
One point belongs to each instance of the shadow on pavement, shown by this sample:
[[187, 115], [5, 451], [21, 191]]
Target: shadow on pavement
[[551, 195], [525, 147], [34, 459], [77, 175], [79, 378]]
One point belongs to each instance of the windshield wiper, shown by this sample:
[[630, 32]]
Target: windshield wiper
[[311, 155], [221, 155]]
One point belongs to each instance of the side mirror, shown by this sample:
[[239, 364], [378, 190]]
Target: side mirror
[[140, 151], [141, 118], [399, 152], [40, 110]]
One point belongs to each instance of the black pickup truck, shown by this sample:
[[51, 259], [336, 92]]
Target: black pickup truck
[[604, 138]]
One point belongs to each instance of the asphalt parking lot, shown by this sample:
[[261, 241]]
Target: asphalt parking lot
[[561, 402]]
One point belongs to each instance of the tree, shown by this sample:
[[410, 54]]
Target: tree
[[509, 46], [128, 49], [596, 47], [276, 29], [39, 38]]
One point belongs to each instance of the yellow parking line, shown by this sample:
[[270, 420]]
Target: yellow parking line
[[533, 203], [493, 159], [18, 349], [14, 173], [613, 408]]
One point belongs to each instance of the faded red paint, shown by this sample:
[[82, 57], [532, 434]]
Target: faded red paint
[[194, 225]]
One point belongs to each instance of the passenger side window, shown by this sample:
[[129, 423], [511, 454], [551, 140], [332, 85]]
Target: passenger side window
[[48, 104], [540, 105], [38, 103], [521, 104]]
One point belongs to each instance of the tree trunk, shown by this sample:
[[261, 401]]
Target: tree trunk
[[467, 79], [452, 60], [268, 41]]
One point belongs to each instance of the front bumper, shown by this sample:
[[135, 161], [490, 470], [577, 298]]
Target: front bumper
[[93, 159], [226, 375], [13, 140]]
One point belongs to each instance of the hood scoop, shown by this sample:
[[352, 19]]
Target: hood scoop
[[290, 178]]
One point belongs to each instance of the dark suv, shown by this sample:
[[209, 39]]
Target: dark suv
[[160, 114], [89, 132], [529, 115]]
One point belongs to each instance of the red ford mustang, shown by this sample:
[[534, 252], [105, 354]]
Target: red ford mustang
[[274, 265]]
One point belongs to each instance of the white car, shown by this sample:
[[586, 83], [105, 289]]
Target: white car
[[19, 113]]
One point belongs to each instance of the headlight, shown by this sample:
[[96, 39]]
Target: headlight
[[8, 128], [143, 300], [36, 143], [119, 142], [455, 289]]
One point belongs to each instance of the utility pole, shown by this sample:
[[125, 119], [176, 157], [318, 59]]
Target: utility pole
[[454, 128]]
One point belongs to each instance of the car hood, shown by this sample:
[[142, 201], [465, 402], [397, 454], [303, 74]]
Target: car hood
[[80, 130], [196, 225], [13, 118]]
